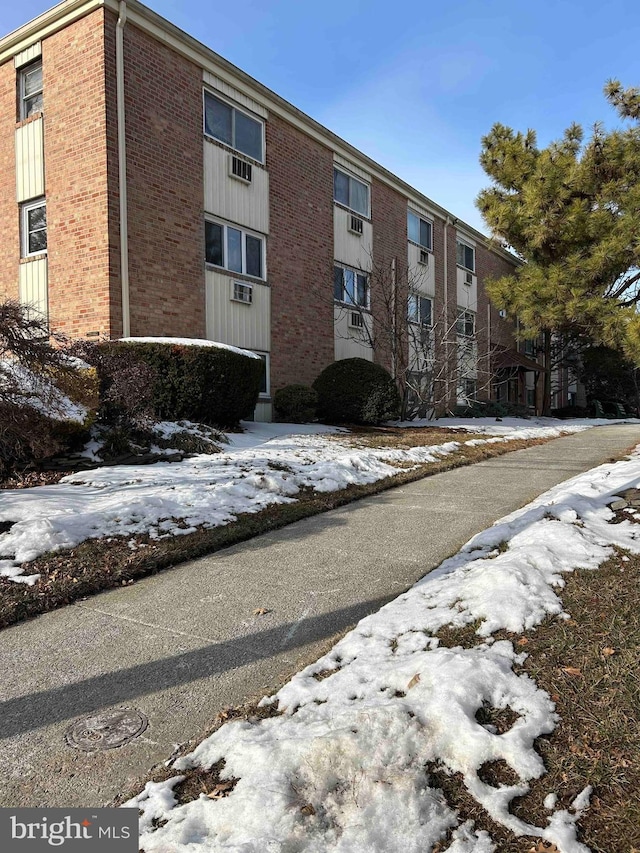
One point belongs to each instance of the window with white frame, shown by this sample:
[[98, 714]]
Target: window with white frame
[[232, 126], [465, 256], [265, 384], [351, 192], [234, 249], [350, 287], [34, 228], [419, 309], [466, 323], [30, 89], [419, 230]]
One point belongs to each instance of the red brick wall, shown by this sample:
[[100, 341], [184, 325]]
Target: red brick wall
[[389, 216], [299, 254], [75, 117], [165, 186], [9, 226]]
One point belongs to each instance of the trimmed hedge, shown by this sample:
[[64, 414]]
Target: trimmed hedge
[[295, 404], [357, 391], [205, 384]]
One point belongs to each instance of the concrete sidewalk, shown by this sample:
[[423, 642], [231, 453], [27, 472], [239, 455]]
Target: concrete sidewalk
[[182, 645]]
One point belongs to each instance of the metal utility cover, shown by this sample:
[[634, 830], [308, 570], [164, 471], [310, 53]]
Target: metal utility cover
[[106, 729]]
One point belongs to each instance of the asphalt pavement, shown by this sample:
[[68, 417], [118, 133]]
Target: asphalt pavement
[[177, 647]]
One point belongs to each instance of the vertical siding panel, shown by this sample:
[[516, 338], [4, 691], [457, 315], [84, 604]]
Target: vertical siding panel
[[29, 144], [233, 200], [247, 326], [34, 285]]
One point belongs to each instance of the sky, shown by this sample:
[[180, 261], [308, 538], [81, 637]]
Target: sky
[[416, 85]]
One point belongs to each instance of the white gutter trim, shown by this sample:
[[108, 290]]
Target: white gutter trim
[[122, 170]]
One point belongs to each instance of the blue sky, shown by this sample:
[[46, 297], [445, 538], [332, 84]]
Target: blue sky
[[415, 85]]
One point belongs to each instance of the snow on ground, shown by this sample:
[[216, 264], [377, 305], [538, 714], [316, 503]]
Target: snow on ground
[[265, 465], [506, 426], [346, 766]]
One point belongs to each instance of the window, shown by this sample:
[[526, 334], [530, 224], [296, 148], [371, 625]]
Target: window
[[233, 127], [466, 323], [351, 192], [265, 385], [419, 230], [465, 256], [468, 388], [30, 83], [419, 309], [234, 249], [351, 287], [529, 347], [34, 228]]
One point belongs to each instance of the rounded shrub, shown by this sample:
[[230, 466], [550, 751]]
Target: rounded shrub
[[354, 390], [208, 384], [295, 404]]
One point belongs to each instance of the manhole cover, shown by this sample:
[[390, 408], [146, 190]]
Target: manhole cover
[[106, 730]]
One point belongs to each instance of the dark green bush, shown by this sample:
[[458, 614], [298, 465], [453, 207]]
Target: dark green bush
[[491, 409], [295, 404], [206, 384], [354, 390], [572, 412]]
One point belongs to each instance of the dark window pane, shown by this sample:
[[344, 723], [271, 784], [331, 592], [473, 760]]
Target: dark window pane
[[213, 240], [349, 286], [341, 187], [254, 256], [359, 197], [361, 293], [413, 228], [33, 105], [337, 284], [234, 249], [248, 136], [425, 311], [217, 118], [263, 379], [468, 258], [425, 234], [37, 241], [37, 218]]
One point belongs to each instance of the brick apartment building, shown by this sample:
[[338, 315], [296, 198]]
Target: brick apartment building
[[149, 187]]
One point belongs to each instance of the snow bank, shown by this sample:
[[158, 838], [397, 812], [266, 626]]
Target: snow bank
[[346, 766]]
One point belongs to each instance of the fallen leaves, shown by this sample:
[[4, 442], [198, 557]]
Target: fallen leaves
[[261, 611], [573, 671], [607, 652], [221, 790], [414, 681]]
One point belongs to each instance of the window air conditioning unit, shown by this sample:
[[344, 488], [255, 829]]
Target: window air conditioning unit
[[355, 320], [502, 313], [424, 257], [468, 278], [356, 225], [240, 169], [242, 292]]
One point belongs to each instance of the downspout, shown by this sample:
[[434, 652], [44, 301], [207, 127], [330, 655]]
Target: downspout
[[447, 378], [122, 170], [394, 342]]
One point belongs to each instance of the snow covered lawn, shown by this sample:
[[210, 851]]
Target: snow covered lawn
[[346, 764], [267, 464]]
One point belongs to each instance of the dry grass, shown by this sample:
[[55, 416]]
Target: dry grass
[[589, 666], [98, 564]]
